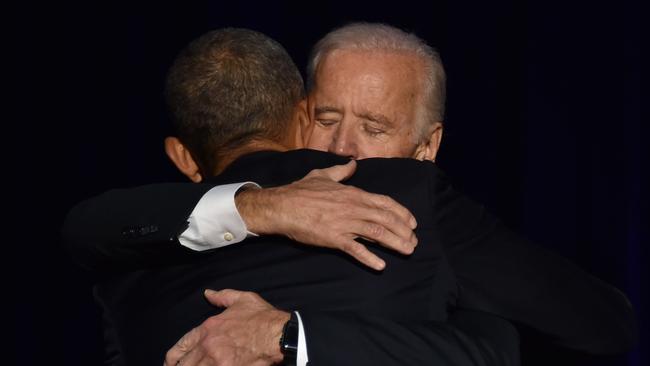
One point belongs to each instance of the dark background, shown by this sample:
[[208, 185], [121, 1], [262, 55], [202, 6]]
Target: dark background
[[544, 125]]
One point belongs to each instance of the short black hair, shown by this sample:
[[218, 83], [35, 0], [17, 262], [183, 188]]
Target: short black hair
[[228, 87]]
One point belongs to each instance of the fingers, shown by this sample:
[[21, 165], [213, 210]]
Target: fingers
[[381, 225], [183, 346], [192, 358], [383, 210], [224, 298], [359, 252], [336, 173], [325, 213], [389, 204], [393, 235]]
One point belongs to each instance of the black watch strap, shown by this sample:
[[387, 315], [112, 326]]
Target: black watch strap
[[289, 340]]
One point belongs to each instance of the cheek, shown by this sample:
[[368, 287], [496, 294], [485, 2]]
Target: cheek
[[375, 149], [393, 148], [320, 139], [403, 146]]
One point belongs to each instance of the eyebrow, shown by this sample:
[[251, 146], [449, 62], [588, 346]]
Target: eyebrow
[[374, 117], [326, 109], [377, 117]]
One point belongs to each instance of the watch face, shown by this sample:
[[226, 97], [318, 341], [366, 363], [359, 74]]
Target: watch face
[[289, 340]]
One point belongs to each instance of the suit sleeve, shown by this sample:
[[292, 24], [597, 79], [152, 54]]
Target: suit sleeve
[[133, 228], [467, 338], [501, 273]]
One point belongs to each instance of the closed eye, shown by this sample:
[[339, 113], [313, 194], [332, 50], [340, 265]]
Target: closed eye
[[326, 116], [326, 122], [373, 131]]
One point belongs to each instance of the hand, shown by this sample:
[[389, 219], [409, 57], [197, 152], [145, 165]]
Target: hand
[[318, 210], [247, 333]]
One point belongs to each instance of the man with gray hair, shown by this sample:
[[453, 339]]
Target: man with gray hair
[[375, 91], [397, 82]]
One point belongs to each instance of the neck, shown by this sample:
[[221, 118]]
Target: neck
[[250, 147]]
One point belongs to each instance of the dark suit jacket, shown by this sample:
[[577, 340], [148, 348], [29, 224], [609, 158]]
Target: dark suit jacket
[[496, 271]]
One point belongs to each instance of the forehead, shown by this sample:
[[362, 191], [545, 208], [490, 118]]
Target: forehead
[[373, 67], [369, 83], [371, 79]]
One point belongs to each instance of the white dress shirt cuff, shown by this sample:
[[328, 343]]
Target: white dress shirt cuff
[[215, 221], [301, 358]]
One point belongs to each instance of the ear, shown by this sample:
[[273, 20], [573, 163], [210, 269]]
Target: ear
[[306, 126], [428, 149], [300, 119], [182, 158]]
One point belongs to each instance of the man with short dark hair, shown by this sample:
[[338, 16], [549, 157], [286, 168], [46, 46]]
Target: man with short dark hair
[[213, 122]]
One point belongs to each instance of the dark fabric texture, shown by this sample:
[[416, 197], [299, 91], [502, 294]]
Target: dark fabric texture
[[466, 260]]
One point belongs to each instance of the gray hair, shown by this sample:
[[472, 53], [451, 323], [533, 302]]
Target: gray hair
[[382, 37]]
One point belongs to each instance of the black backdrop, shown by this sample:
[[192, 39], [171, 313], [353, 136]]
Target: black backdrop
[[544, 126]]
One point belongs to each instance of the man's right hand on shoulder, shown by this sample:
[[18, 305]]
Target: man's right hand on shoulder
[[318, 210]]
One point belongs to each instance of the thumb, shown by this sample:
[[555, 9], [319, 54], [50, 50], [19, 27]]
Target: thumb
[[224, 298], [183, 346], [339, 173]]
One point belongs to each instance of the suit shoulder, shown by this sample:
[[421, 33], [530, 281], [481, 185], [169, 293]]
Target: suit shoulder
[[403, 168]]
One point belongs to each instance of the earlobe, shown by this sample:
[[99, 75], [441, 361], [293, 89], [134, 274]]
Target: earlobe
[[182, 159], [422, 152], [428, 149]]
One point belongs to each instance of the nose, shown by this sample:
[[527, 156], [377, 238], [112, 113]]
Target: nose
[[343, 143]]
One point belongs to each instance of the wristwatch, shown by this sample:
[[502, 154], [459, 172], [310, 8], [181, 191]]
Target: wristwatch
[[289, 340]]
